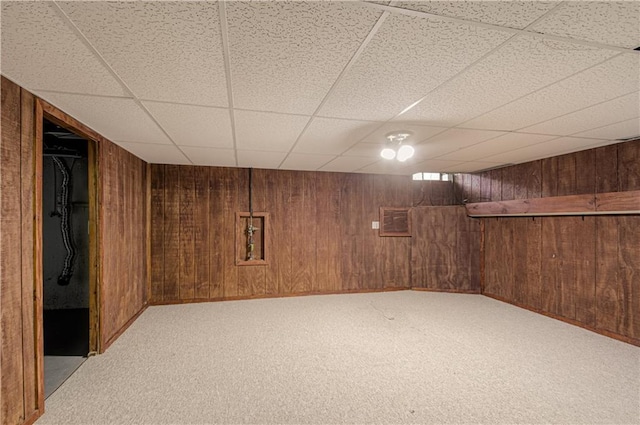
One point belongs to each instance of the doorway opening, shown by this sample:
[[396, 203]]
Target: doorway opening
[[66, 253]]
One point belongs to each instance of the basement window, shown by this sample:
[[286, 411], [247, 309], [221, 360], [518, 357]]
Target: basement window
[[445, 177]]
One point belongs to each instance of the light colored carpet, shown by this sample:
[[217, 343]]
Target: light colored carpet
[[398, 357]]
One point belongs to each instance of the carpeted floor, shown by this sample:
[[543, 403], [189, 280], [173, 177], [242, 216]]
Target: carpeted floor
[[398, 357]]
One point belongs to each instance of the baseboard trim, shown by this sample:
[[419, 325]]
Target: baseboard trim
[[451, 291], [115, 336], [34, 417], [261, 296], [623, 338]]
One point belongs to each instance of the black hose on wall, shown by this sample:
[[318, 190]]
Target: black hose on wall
[[65, 223]]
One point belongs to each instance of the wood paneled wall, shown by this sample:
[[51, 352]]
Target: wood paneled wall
[[613, 168], [581, 269], [321, 239], [445, 250], [18, 380], [123, 239], [431, 193]]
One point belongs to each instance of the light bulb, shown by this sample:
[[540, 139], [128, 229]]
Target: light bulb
[[405, 152], [388, 153]]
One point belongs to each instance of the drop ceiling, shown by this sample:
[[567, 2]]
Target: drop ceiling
[[317, 85]]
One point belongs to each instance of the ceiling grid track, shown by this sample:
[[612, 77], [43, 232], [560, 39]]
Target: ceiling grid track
[[226, 54], [346, 69], [115, 75]]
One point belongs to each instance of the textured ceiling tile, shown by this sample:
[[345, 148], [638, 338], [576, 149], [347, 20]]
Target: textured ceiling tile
[[156, 154], [473, 166], [386, 167], [452, 140], [285, 56], [522, 66], [513, 14], [194, 125], [431, 166], [418, 132], [507, 142], [616, 110], [41, 52], [609, 22], [301, 161], [368, 150], [169, 51], [407, 58], [258, 159], [210, 156], [265, 131], [116, 119], [554, 147], [332, 136], [347, 164], [621, 130], [609, 80]]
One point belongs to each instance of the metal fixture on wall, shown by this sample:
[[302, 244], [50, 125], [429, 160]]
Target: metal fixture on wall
[[65, 222], [395, 146]]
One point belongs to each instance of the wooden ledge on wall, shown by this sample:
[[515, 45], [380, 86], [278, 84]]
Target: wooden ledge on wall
[[601, 204]]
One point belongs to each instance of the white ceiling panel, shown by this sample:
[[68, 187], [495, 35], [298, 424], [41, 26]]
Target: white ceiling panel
[[369, 150], [169, 51], [265, 131], [117, 119], [431, 166], [473, 166], [301, 161], [210, 156], [332, 136], [608, 22], [609, 80], [40, 51], [259, 159], [385, 167], [504, 143], [347, 164], [285, 56], [453, 140], [554, 147], [613, 111], [407, 58], [194, 125], [520, 67], [156, 154], [512, 14], [418, 132], [622, 130]]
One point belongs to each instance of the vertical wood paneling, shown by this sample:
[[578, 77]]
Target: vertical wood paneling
[[201, 232], [629, 165], [231, 203], [283, 232], [187, 272], [566, 175], [157, 232], [171, 233], [550, 177], [606, 169], [629, 266], [584, 249], [351, 230], [585, 172], [328, 263], [216, 232], [11, 354], [610, 292]]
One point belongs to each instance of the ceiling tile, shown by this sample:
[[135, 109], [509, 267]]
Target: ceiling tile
[[285, 56], [169, 51], [520, 67], [368, 150], [452, 140], [428, 166], [117, 119], [301, 161], [600, 115], [407, 58], [621, 130], [609, 80], [210, 156], [41, 52], [512, 14], [473, 166], [500, 144], [609, 22], [332, 136], [258, 159], [266, 131], [156, 154], [347, 164], [554, 147], [418, 132], [194, 125]]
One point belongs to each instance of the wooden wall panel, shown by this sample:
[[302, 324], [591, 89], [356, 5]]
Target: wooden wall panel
[[320, 236], [157, 232], [428, 193], [445, 260], [629, 166]]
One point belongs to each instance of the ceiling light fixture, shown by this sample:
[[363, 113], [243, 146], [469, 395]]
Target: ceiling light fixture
[[395, 147]]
